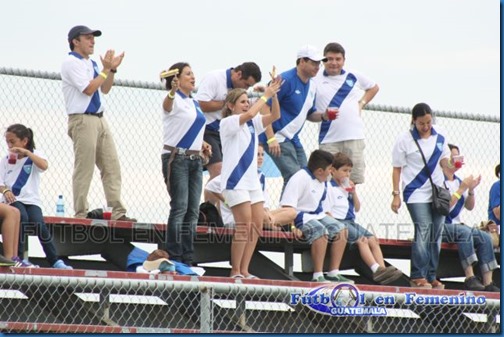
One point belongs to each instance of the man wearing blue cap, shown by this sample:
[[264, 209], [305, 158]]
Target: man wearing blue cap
[[91, 136]]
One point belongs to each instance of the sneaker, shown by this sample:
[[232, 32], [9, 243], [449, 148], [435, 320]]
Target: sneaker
[[5, 262], [339, 279], [61, 265], [473, 283], [420, 283], [22, 263], [387, 275], [321, 279], [437, 285], [491, 287], [125, 218]]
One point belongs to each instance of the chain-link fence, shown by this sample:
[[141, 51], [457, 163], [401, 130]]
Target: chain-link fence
[[133, 110], [104, 303]]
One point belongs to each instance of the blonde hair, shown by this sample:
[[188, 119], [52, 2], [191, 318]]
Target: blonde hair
[[231, 97]]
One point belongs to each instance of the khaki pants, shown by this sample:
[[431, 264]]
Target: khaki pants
[[94, 144], [355, 150]]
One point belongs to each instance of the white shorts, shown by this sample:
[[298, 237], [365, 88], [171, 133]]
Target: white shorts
[[236, 197]]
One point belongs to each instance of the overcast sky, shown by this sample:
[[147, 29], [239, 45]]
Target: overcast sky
[[442, 52]]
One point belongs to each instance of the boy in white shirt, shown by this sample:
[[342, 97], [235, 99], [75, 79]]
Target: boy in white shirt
[[305, 193], [342, 202]]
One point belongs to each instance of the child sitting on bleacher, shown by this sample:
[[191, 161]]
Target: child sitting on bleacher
[[305, 192], [20, 184], [342, 203]]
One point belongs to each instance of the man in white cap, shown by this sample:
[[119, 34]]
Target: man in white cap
[[297, 103], [92, 139]]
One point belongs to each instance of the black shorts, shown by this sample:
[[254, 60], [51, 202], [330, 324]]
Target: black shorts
[[213, 138]]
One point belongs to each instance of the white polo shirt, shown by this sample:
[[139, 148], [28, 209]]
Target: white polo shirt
[[338, 202], [183, 126], [76, 73], [305, 194], [239, 153], [297, 101], [455, 210], [25, 176], [415, 182], [344, 92], [214, 87]]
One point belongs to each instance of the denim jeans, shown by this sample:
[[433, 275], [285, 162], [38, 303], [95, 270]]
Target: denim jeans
[[427, 243], [32, 222], [473, 244], [186, 183], [291, 160]]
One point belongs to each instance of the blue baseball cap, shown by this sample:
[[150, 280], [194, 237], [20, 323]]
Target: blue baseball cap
[[81, 30]]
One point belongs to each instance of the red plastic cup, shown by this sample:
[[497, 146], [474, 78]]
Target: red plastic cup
[[107, 213], [332, 113], [458, 161], [12, 158]]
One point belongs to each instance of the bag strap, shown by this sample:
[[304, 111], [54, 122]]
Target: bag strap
[[425, 161]]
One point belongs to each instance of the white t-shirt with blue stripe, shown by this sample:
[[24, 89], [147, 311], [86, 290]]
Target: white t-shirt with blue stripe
[[405, 154], [305, 194], [184, 126], [239, 153], [76, 73], [29, 188], [344, 92], [339, 202]]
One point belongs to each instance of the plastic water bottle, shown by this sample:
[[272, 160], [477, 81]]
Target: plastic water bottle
[[60, 206]]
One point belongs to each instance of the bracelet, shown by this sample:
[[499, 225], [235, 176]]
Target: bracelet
[[456, 195], [5, 191], [102, 74], [170, 95], [113, 71], [264, 99], [271, 140], [471, 194], [293, 228]]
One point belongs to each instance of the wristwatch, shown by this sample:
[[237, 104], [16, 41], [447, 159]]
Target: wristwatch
[[394, 193]]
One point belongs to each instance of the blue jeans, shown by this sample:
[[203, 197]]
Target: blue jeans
[[32, 222], [186, 183], [427, 243], [291, 160], [468, 239]]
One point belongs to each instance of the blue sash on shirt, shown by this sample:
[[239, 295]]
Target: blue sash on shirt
[[245, 161], [423, 175], [457, 209], [22, 177], [199, 122], [298, 221], [336, 102], [95, 103]]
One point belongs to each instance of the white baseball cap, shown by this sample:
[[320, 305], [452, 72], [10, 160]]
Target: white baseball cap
[[310, 52]]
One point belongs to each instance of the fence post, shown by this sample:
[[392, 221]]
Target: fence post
[[206, 310]]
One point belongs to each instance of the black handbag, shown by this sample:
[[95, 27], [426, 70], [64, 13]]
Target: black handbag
[[441, 196]]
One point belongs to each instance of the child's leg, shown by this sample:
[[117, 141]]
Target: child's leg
[[10, 230], [255, 231], [374, 245], [318, 252], [242, 214], [35, 217], [338, 246]]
